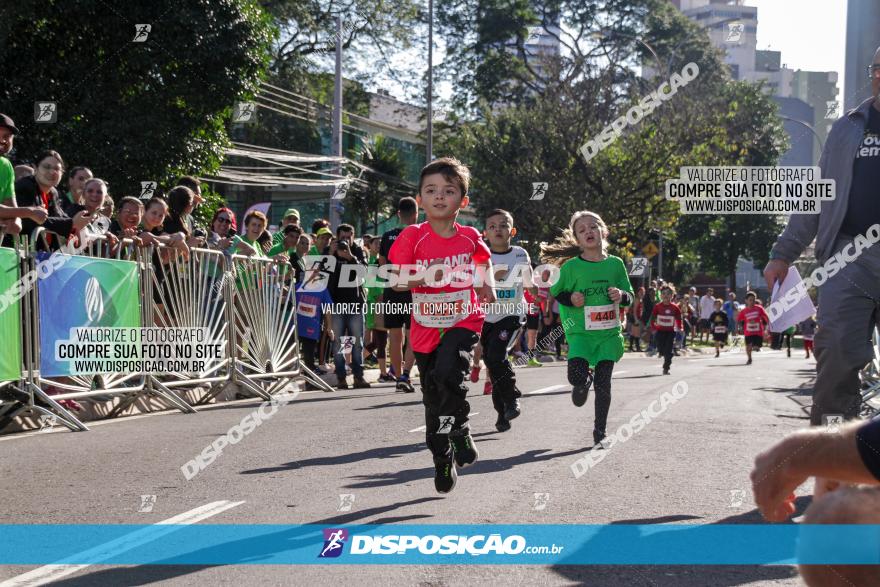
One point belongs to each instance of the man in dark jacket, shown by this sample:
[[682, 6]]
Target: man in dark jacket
[[348, 315]]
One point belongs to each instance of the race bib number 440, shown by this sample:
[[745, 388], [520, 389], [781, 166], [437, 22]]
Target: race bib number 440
[[601, 317], [441, 310]]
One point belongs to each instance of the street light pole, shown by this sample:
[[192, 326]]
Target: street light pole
[[336, 133], [429, 138]]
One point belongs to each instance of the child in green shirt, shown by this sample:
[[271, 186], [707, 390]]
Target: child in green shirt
[[591, 289]]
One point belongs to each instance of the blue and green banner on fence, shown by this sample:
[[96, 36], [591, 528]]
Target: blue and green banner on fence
[[10, 316], [85, 292]]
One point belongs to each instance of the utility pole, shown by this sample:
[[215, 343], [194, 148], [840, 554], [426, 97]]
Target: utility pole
[[336, 136], [429, 138]]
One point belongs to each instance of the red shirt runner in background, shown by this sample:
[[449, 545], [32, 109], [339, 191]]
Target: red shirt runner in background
[[754, 320], [666, 317]]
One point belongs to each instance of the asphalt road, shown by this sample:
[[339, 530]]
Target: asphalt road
[[690, 465]]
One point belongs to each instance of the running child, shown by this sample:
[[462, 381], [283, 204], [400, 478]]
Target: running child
[[718, 321], [665, 321], [591, 288], [808, 330], [446, 316], [755, 320], [504, 318]]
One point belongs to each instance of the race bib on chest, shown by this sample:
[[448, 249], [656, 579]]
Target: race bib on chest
[[720, 329], [601, 317], [307, 310], [753, 327], [665, 320], [508, 294], [441, 310]]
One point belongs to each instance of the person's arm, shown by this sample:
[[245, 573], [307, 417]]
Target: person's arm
[[35, 213], [678, 323], [850, 456]]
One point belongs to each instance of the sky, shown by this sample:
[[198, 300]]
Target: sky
[[810, 33]]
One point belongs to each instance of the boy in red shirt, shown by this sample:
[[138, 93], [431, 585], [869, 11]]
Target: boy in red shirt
[[446, 314], [754, 319], [665, 318]]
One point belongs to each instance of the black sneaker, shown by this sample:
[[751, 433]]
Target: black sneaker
[[463, 448], [404, 386], [517, 392], [666, 371], [444, 475], [598, 437], [360, 383], [342, 384], [502, 424], [580, 393], [513, 410]]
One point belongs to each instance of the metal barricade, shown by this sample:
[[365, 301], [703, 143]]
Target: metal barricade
[[263, 323], [870, 378], [19, 391], [123, 266], [190, 290]]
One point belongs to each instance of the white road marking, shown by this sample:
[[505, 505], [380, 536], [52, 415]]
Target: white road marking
[[53, 572], [419, 429], [547, 389]]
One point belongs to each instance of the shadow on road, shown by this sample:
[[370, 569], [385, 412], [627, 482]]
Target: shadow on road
[[382, 452], [479, 468], [676, 575]]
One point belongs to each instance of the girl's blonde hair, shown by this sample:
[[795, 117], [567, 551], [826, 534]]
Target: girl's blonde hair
[[566, 247]]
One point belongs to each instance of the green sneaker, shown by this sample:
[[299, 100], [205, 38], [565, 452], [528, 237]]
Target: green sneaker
[[444, 475], [533, 362], [463, 448]]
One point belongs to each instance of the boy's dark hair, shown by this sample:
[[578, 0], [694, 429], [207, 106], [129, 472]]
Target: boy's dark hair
[[450, 168], [668, 288], [76, 169], [751, 293], [499, 211], [292, 228], [189, 181], [319, 223], [129, 200], [344, 227], [407, 206]]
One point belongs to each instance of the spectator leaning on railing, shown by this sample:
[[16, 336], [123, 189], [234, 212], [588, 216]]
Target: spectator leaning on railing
[[38, 191]]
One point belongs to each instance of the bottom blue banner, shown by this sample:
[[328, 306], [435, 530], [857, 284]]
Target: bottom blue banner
[[623, 544]]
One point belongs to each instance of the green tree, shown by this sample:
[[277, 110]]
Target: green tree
[[132, 104], [751, 135], [373, 197]]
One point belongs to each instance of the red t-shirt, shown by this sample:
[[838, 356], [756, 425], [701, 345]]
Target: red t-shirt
[[453, 305], [666, 317], [754, 320]]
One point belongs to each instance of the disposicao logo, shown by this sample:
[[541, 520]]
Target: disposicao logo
[[94, 300], [334, 540]]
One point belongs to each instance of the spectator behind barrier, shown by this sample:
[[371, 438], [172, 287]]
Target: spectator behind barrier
[[291, 216], [287, 247], [195, 186], [128, 218], [246, 244], [76, 181], [180, 205], [222, 229], [39, 191]]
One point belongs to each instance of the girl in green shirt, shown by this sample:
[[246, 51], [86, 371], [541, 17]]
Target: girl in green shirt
[[591, 289]]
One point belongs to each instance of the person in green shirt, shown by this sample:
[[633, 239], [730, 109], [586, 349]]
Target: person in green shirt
[[287, 246], [291, 217], [591, 289], [10, 213]]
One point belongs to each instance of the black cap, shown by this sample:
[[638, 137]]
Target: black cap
[[7, 122]]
